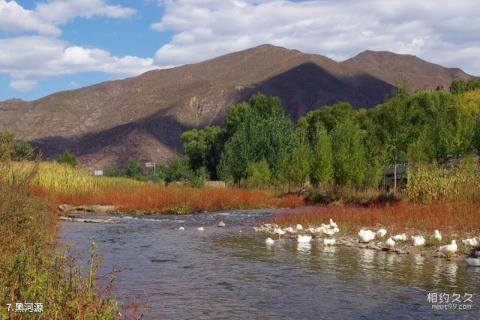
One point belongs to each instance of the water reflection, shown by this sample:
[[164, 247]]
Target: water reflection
[[451, 269], [418, 261], [367, 257], [329, 249], [304, 248]]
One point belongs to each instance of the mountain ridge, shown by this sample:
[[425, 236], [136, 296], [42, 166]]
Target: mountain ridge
[[142, 117]]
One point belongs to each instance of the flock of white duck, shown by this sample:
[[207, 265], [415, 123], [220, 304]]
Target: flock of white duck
[[304, 236]]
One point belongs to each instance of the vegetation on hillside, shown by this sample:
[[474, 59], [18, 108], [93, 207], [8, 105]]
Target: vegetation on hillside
[[336, 145]]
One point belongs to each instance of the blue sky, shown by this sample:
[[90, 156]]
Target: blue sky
[[52, 45]]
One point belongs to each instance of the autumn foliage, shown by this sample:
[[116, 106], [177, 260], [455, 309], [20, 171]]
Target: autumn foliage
[[152, 198], [451, 217]]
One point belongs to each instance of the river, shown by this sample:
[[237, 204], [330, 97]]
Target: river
[[229, 273]]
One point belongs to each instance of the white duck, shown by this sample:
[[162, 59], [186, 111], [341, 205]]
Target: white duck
[[279, 231], [472, 242], [449, 249], [366, 235], [329, 242], [181, 228], [473, 262], [330, 229], [269, 241], [418, 241], [200, 229], [333, 223], [304, 239], [381, 233], [437, 235], [299, 227], [400, 237], [390, 243], [289, 229]]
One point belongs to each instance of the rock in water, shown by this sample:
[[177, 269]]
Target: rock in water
[[221, 224]]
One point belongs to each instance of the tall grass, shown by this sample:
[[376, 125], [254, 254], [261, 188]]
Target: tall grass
[[57, 178], [180, 199], [64, 184], [433, 182], [30, 269], [451, 217]]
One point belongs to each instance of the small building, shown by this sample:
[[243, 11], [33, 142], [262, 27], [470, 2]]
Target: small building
[[98, 173]]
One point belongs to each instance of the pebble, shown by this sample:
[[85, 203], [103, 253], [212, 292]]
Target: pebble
[[221, 224]]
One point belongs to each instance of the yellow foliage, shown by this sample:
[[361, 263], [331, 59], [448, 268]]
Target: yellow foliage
[[429, 182], [60, 178]]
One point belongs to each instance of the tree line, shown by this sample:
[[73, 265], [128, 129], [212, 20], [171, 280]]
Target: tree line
[[259, 145]]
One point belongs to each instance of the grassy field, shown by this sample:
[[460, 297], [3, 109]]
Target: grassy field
[[63, 184]]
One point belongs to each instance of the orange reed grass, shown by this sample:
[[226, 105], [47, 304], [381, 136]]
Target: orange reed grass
[[180, 199], [448, 216]]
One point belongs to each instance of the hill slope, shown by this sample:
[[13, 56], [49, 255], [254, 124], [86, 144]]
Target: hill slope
[[143, 117]]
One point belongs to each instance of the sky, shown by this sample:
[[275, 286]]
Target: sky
[[53, 45]]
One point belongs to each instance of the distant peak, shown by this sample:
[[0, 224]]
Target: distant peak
[[270, 48], [373, 53], [13, 100]]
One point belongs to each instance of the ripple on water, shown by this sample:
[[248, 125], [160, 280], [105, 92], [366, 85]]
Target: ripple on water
[[222, 273]]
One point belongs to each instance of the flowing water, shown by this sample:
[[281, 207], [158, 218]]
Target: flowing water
[[229, 273]]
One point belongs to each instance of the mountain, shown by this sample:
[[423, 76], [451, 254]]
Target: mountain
[[142, 117]]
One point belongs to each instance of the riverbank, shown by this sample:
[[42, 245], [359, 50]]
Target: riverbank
[[35, 278], [454, 221]]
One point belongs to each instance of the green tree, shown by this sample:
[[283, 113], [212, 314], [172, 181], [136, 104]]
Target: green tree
[[177, 170], [132, 169], [348, 154], [294, 168], [111, 171], [236, 116], [67, 158], [265, 133], [258, 174], [476, 134], [196, 179], [322, 158], [203, 148], [462, 86], [22, 150], [419, 151]]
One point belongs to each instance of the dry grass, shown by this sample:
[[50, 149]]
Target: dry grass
[[459, 217], [180, 199], [30, 269], [63, 184]]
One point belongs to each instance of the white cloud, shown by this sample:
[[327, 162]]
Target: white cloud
[[28, 59], [23, 85], [47, 16], [441, 31], [61, 11], [15, 19]]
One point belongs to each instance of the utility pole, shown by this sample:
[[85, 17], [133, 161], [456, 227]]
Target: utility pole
[[395, 178]]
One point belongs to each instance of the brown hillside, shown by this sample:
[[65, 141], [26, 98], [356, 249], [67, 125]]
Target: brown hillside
[[143, 117]]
